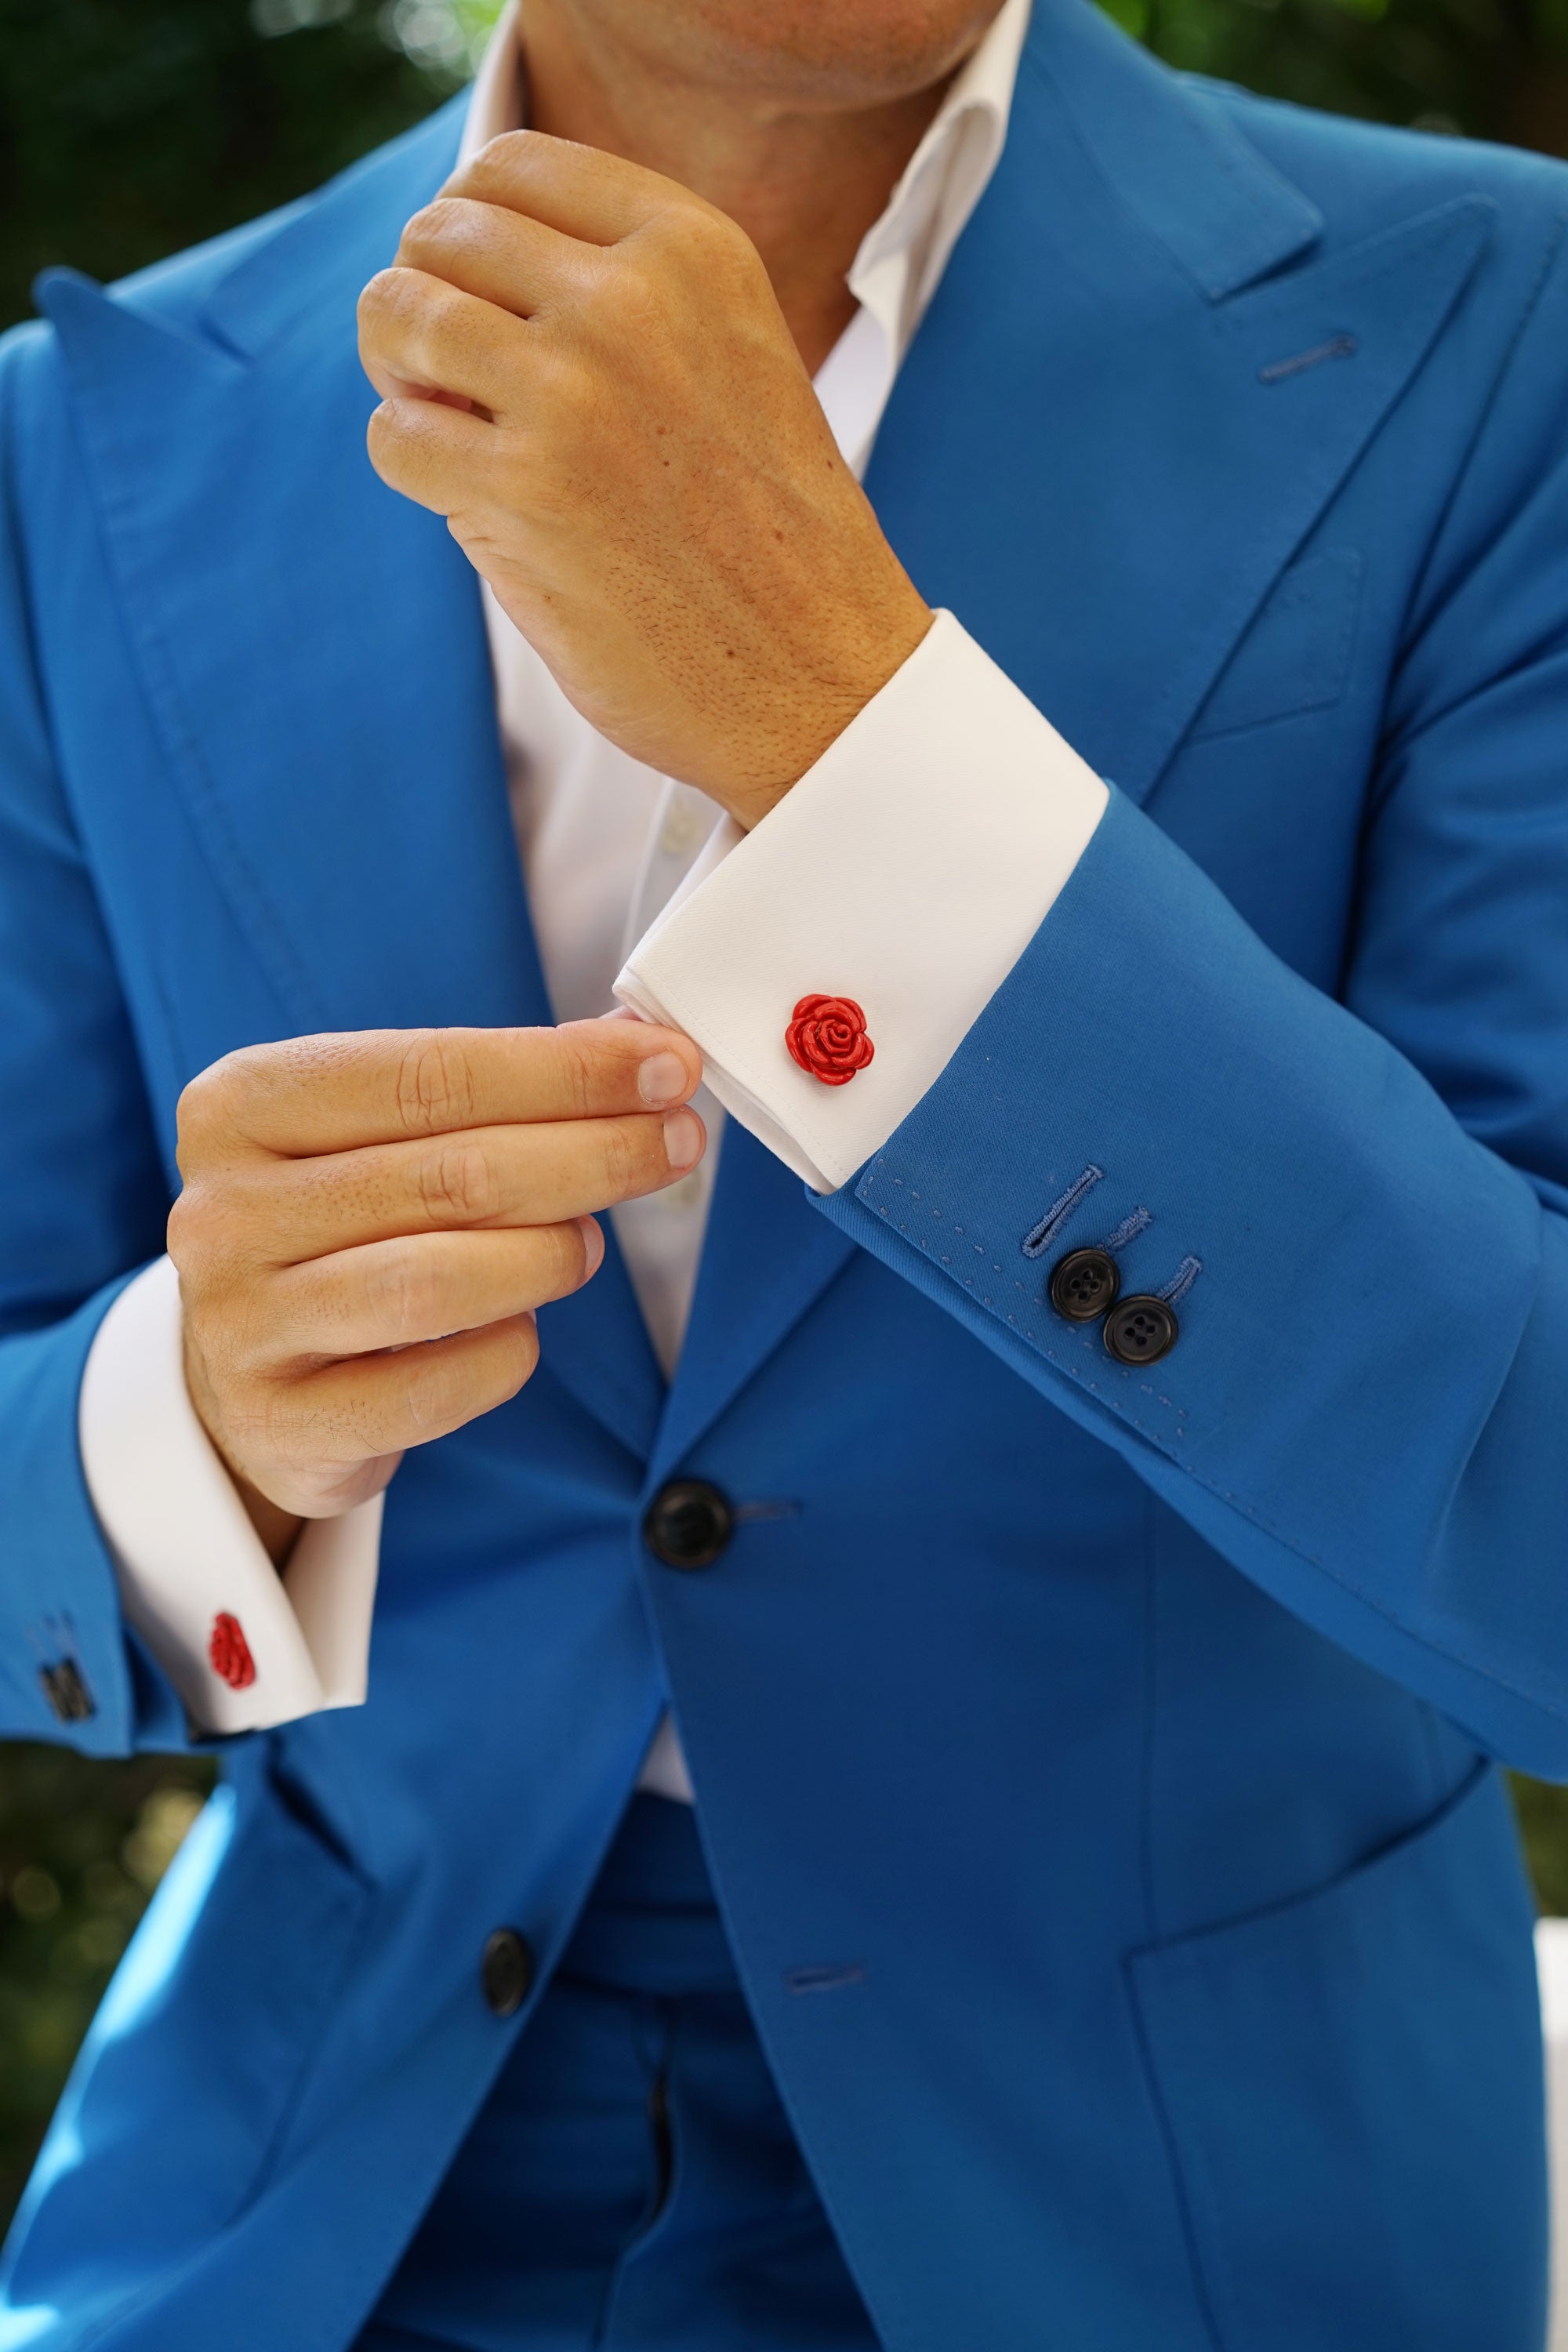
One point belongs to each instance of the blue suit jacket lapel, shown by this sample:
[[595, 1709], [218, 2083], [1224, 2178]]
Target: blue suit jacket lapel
[[313, 648], [1086, 455]]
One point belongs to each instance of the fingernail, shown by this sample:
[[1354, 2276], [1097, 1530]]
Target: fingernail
[[682, 1136], [594, 1242], [662, 1080]]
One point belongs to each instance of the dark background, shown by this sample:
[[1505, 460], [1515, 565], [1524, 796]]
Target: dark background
[[130, 128]]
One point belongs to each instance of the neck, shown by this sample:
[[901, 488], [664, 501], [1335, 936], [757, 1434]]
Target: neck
[[804, 182]]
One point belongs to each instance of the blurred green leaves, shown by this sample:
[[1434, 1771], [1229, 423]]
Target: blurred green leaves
[[130, 128], [1492, 69], [82, 1845]]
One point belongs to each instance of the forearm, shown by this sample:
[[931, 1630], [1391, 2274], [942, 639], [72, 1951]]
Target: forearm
[[1360, 1408]]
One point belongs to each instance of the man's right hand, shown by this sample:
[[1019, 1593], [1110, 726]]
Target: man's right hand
[[369, 1221]]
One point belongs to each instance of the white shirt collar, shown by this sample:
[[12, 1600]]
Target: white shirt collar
[[903, 254]]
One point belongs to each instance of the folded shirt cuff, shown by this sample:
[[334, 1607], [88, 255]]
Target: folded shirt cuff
[[244, 1646], [898, 881]]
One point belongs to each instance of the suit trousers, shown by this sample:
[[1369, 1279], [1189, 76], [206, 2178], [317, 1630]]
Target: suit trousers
[[632, 2180]]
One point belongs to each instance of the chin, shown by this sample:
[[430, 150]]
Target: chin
[[821, 52]]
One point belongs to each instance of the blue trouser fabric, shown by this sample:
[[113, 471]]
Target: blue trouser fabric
[[632, 2180]]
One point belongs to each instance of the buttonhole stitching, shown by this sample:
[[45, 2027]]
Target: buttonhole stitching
[[1125, 1231], [827, 1977], [1338, 347], [1042, 1235], [1181, 1281]]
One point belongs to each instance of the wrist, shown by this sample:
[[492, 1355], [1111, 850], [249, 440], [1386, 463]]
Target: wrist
[[277, 1529], [864, 659]]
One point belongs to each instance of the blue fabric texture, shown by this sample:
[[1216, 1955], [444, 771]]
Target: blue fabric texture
[[631, 2184], [1095, 1767]]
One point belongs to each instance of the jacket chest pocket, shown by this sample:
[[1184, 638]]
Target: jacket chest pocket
[[1295, 655]]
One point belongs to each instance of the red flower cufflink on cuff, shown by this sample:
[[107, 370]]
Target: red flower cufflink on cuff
[[230, 1652], [826, 1035]]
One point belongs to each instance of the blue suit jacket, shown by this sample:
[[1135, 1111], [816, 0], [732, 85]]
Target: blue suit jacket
[[1095, 1764]]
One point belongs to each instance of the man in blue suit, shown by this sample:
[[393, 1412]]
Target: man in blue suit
[[1087, 1546]]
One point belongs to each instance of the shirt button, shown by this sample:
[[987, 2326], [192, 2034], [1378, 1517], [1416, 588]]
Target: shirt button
[[506, 1972], [1141, 1330], [688, 1523], [1084, 1283]]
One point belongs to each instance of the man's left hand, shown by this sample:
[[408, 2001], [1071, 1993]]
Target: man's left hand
[[584, 367]]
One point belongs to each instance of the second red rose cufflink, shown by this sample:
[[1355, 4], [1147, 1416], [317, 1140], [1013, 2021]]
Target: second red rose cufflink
[[230, 1652], [826, 1035]]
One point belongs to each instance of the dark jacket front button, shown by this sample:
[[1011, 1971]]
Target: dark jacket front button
[[505, 1972], [1084, 1283], [1141, 1330], [688, 1523]]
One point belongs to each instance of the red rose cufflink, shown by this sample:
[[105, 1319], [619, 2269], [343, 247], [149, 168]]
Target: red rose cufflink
[[230, 1652], [826, 1035]]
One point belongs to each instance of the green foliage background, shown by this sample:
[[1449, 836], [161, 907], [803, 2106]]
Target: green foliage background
[[130, 128]]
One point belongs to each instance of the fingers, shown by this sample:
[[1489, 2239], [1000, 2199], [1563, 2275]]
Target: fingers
[[368, 1408], [579, 191], [336, 1092], [490, 1178], [497, 255], [427, 448], [415, 330], [398, 1294]]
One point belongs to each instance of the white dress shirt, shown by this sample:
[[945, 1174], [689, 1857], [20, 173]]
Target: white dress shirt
[[906, 870]]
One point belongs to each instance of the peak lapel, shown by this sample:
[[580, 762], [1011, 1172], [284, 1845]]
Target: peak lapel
[[1094, 454], [312, 648]]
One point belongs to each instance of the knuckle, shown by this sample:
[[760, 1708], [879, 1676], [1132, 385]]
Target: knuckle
[[694, 237], [456, 1185], [210, 1105], [504, 162], [384, 434], [430, 1392], [569, 1252], [512, 1359], [434, 1084], [181, 1234], [426, 226], [260, 1421], [403, 1293], [379, 298], [204, 1228], [522, 1351], [578, 1071], [620, 1162]]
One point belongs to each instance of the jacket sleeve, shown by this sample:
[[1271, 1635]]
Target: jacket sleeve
[[1366, 1200], [83, 1201]]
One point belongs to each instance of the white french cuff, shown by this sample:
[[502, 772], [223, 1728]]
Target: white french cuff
[[906, 872], [244, 1646]]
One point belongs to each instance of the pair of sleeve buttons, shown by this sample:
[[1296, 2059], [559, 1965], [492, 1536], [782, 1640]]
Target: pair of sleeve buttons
[[1087, 1284]]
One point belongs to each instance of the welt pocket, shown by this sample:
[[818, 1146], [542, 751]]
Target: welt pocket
[[1351, 2085], [1296, 654]]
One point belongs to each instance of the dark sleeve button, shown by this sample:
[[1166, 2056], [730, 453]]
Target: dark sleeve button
[[506, 1972], [70, 1701], [688, 1523], [1084, 1283], [1141, 1330]]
